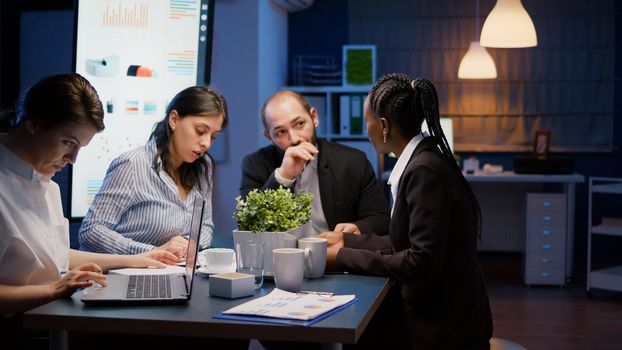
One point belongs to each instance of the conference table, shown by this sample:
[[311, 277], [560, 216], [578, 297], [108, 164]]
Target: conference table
[[194, 319]]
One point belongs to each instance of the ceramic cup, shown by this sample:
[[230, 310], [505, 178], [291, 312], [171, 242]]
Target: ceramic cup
[[315, 256], [219, 259], [289, 268]]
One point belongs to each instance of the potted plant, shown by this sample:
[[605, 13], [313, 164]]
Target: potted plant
[[275, 217]]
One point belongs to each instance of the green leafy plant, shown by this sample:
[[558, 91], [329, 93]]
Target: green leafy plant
[[272, 210], [359, 66]]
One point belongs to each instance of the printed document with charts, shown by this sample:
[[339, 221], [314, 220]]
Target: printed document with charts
[[296, 306]]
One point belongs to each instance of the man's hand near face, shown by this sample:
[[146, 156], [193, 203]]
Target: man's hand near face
[[295, 159]]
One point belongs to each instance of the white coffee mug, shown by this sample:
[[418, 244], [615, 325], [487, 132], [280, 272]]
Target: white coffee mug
[[289, 268], [315, 256], [219, 259]]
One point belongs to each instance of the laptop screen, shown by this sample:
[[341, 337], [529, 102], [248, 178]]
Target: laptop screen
[[448, 130], [193, 241]]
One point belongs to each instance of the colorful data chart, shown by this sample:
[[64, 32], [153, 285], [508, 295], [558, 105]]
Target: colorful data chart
[[125, 15], [181, 62], [287, 305], [131, 107], [92, 187], [150, 108], [179, 9], [135, 70]]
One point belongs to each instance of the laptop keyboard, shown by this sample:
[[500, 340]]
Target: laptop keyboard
[[149, 287]]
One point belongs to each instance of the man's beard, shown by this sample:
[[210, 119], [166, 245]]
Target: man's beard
[[313, 141], [314, 137]]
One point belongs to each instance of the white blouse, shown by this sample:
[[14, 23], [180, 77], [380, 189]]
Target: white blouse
[[400, 166], [34, 235]]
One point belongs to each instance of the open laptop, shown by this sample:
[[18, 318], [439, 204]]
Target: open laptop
[[153, 289]]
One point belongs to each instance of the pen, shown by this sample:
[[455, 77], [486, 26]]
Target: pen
[[322, 294]]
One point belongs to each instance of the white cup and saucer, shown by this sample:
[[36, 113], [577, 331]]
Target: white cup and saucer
[[216, 260]]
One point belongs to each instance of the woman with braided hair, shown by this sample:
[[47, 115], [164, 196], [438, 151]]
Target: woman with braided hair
[[435, 223]]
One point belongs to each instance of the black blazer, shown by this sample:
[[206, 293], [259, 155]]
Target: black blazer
[[431, 252], [349, 189]]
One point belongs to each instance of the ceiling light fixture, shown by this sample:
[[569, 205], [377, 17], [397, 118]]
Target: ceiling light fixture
[[477, 62], [508, 26]]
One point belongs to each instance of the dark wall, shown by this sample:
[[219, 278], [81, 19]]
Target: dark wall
[[9, 48], [11, 13], [320, 30]]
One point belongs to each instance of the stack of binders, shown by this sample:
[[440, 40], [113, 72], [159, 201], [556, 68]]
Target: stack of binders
[[351, 114]]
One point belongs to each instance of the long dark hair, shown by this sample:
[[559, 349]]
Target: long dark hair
[[55, 101], [195, 100], [407, 103]]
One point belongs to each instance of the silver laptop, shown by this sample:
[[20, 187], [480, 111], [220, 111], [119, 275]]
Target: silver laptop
[[153, 289]]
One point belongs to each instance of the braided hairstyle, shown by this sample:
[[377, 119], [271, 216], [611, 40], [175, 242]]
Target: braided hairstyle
[[407, 103]]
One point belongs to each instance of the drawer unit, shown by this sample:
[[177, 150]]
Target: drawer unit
[[545, 243], [546, 217], [546, 201], [545, 238], [554, 276], [546, 260]]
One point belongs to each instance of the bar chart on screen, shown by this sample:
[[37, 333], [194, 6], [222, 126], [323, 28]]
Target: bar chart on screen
[[137, 54]]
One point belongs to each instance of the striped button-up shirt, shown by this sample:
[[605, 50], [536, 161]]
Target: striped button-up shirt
[[139, 207]]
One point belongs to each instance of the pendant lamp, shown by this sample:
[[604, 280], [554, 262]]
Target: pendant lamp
[[508, 26], [477, 62]]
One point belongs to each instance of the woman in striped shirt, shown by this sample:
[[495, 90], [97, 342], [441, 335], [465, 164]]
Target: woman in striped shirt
[[146, 197]]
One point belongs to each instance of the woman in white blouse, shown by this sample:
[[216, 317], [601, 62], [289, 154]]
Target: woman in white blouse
[[55, 118], [145, 202]]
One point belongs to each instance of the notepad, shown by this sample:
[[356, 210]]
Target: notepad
[[291, 306]]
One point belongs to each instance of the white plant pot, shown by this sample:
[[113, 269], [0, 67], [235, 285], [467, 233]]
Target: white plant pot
[[272, 240]]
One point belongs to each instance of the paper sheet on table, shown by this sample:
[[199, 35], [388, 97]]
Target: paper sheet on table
[[168, 270], [286, 305]]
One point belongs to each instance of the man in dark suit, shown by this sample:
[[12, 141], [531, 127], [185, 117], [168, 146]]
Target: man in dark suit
[[347, 195]]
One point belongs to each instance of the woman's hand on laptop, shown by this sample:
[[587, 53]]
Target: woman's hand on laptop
[[82, 276], [177, 245], [155, 258]]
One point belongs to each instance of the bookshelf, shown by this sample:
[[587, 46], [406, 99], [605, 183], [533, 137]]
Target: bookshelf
[[328, 101], [609, 278]]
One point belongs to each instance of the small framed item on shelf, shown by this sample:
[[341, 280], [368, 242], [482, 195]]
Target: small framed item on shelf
[[359, 65], [541, 143]]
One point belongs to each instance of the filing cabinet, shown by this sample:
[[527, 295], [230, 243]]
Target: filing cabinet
[[545, 243]]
